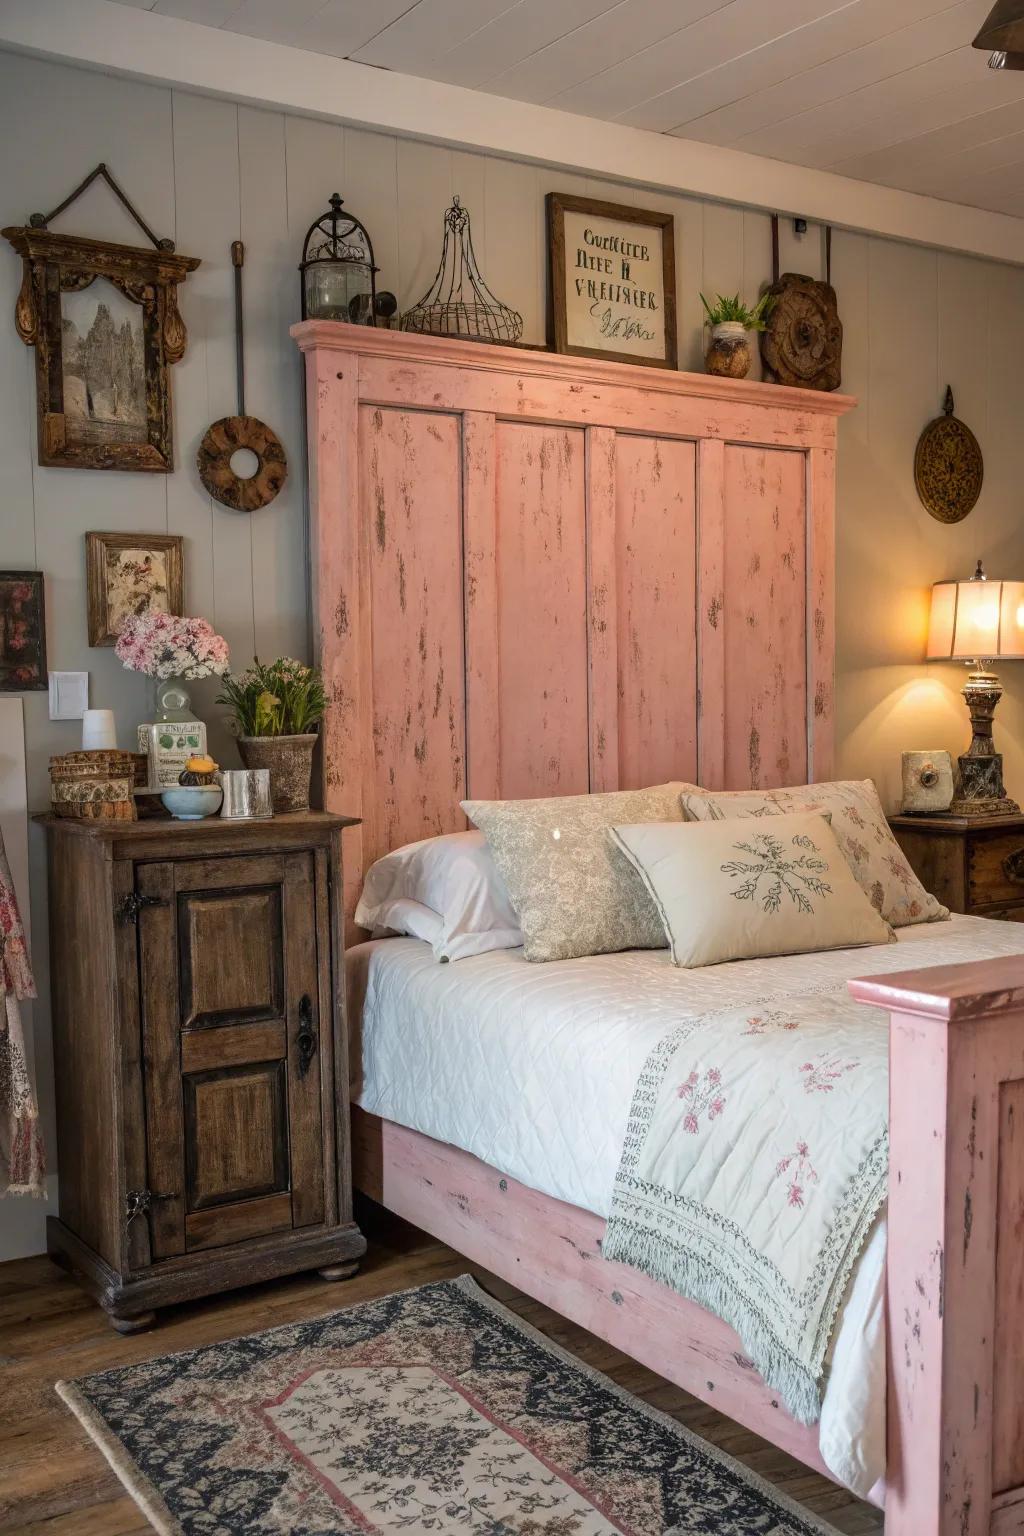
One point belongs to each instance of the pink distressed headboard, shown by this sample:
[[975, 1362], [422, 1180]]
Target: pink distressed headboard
[[537, 574]]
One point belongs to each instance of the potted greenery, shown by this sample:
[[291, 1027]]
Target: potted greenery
[[728, 352], [275, 711]]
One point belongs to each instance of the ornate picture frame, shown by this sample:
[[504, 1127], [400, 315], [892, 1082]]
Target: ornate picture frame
[[131, 573], [611, 281], [22, 632], [104, 321]]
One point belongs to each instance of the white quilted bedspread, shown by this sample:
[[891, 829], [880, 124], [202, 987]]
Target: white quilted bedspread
[[532, 1068]]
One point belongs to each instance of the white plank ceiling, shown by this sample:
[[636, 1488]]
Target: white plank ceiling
[[888, 91]]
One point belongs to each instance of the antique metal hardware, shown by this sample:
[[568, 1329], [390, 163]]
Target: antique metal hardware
[[306, 1037], [137, 1202], [1013, 867], [129, 907]]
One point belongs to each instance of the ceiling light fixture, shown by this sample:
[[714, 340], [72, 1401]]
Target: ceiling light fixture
[[1002, 35]]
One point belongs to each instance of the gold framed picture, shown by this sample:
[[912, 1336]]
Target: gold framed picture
[[612, 281], [105, 325], [129, 573]]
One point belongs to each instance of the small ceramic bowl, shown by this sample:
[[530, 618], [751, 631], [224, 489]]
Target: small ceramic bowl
[[191, 802]]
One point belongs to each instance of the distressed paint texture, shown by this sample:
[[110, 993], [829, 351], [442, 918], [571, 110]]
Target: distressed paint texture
[[656, 552], [1008, 1397], [955, 1247], [540, 575], [416, 664], [764, 617], [542, 610]]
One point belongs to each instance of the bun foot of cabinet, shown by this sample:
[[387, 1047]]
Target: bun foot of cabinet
[[130, 1302], [132, 1324]]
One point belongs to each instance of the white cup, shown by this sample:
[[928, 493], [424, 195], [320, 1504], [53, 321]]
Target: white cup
[[98, 732]]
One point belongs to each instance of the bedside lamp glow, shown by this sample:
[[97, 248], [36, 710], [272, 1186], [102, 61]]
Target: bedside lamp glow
[[978, 621]]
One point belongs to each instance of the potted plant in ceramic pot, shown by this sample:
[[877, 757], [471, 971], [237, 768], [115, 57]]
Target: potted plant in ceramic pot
[[728, 352], [275, 712]]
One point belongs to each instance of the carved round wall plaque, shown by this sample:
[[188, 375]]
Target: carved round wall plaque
[[803, 342], [948, 466], [221, 443]]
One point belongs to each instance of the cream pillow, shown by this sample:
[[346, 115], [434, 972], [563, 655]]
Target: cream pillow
[[861, 830], [729, 891], [573, 890]]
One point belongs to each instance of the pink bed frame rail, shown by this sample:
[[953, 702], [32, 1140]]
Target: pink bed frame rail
[[537, 574]]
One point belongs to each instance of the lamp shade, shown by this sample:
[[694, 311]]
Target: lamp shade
[[976, 620]]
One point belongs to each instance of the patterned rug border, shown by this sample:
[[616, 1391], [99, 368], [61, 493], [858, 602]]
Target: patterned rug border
[[163, 1521]]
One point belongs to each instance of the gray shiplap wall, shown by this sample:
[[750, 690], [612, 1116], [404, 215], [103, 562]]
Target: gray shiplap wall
[[207, 172]]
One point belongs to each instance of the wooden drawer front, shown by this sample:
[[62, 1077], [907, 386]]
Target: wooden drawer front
[[995, 870]]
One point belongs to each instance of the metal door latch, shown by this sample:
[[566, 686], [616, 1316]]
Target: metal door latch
[[129, 907]]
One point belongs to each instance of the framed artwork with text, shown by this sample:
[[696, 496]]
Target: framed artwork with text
[[612, 281]]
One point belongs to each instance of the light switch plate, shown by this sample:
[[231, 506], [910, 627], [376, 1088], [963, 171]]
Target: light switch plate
[[69, 695]]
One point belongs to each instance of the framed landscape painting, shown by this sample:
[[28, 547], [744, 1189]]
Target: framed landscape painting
[[22, 632], [105, 325], [612, 281], [130, 573]]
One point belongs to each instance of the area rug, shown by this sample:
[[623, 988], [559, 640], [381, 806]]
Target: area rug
[[432, 1410]]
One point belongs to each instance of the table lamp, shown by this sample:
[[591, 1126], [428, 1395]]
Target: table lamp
[[976, 621]]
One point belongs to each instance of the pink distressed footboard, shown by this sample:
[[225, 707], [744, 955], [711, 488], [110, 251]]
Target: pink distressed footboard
[[955, 1271]]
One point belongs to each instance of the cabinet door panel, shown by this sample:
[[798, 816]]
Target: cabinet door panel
[[231, 1026], [231, 956], [236, 1134]]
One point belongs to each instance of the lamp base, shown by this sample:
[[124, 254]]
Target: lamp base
[[979, 790]]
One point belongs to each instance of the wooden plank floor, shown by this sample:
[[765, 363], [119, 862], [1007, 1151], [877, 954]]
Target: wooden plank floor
[[54, 1482]]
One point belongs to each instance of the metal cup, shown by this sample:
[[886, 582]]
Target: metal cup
[[246, 794]]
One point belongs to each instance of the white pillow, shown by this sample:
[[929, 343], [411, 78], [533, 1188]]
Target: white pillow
[[744, 889], [412, 918], [456, 879]]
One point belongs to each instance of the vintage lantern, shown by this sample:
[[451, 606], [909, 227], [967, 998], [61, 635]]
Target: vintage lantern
[[338, 274]]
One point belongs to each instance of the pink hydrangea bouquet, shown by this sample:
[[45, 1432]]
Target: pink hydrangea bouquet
[[163, 645]]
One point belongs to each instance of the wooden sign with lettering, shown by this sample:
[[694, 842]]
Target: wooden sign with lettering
[[612, 281]]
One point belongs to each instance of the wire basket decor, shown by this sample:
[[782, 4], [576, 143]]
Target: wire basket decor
[[458, 301]]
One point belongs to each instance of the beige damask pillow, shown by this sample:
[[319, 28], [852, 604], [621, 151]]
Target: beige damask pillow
[[574, 892], [730, 890], [861, 830]]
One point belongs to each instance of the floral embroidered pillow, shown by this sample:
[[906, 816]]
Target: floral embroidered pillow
[[742, 890], [859, 823], [572, 890]]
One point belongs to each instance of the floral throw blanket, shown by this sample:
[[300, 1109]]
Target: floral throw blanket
[[22, 1160], [755, 1161]]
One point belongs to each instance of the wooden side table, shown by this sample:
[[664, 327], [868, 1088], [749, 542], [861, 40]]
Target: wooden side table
[[201, 1056], [972, 864]]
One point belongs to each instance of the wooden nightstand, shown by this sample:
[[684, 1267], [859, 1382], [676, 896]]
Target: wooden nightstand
[[201, 1056], [971, 864]]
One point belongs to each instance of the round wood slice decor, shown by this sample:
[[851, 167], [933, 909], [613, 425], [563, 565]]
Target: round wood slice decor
[[948, 466], [213, 460], [803, 342]]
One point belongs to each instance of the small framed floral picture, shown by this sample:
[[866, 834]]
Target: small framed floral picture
[[22, 632], [131, 573]]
